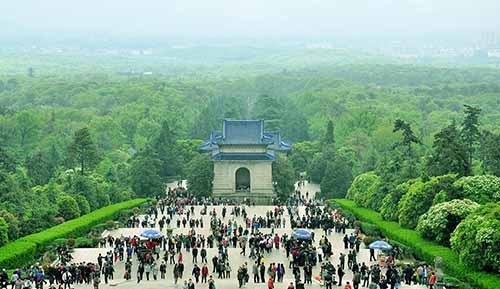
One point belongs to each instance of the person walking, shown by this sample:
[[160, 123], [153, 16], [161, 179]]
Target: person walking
[[204, 273], [147, 270], [96, 281], [203, 254], [140, 272], [190, 284], [211, 282], [356, 279], [196, 273], [372, 255], [270, 283], [163, 269], [340, 273], [432, 281], [255, 271]]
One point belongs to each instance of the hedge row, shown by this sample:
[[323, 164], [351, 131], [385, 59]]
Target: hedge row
[[24, 250], [424, 249]]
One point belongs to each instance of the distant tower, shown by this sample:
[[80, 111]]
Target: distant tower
[[30, 71]]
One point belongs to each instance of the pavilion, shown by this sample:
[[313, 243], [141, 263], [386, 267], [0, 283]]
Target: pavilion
[[243, 154]]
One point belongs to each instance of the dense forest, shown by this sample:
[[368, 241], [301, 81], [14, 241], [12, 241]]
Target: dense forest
[[72, 143]]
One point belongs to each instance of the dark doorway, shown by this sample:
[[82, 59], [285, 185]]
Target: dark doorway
[[243, 180]]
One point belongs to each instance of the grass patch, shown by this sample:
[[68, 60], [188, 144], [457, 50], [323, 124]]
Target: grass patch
[[24, 250], [424, 249]]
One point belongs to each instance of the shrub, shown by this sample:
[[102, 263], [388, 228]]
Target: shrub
[[389, 209], [59, 242], [17, 253], [100, 227], [24, 250], [363, 190], [4, 232], [83, 242], [68, 207], [480, 189], [424, 249], [348, 215], [83, 204], [476, 239], [419, 198], [441, 219], [110, 224], [71, 242], [371, 230]]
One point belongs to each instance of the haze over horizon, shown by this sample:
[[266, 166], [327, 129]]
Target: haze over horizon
[[280, 19]]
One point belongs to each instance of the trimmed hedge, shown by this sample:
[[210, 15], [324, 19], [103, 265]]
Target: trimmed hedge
[[24, 250], [426, 250]]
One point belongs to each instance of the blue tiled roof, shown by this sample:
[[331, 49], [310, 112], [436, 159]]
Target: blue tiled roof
[[242, 132], [243, 157], [277, 144], [245, 132]]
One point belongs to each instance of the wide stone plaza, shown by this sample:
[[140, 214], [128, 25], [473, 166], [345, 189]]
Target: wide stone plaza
[[235, 259]]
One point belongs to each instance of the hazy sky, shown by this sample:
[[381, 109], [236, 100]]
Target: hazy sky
[[248, 18]]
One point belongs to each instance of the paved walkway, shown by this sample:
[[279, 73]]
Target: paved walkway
[[235, 259]]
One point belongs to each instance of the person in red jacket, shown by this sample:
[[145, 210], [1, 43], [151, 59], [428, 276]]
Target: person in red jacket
[[270, 283], [432, 280], [204, 273]]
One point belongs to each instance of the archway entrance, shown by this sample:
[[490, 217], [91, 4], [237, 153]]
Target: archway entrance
[[242, 180]]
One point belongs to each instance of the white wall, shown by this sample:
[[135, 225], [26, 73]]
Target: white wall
[[260, 176]]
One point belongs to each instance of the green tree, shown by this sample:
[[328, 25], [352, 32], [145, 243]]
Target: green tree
[[68, 207], [13, 222], [329, 138], [283, 177], [269, 108], [470, 130], [480, 189], [7, 162], [26, 126], [200, 175], [317, 168], [477, 237], [408, 140], [442, 219], [166, 148], [337, 178], [389, 206], [82, 150], [420, 196], [490, 153], [39, 168], [363, 190], [4, 229], [450, 153], [83, 204], [302, 155], [145, 175]]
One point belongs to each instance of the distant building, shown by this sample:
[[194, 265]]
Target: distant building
[[243, 154]]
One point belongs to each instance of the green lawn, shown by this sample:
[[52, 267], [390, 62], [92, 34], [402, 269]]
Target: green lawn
[[424, 249]]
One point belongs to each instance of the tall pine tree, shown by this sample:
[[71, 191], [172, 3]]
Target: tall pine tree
[[450, 153], [145, 175], [409, 139], [470, 130], [82, 150]]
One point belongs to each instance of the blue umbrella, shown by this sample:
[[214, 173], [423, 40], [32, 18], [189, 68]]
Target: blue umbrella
[[301, 234], [151, 234], [381, 245]]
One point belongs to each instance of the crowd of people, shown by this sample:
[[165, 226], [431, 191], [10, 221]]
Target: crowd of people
[[230, 227]]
